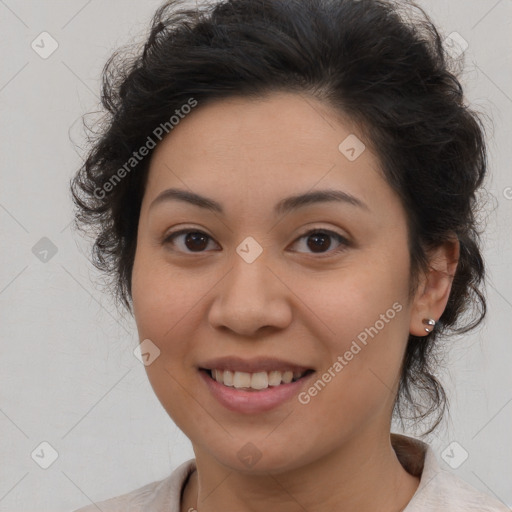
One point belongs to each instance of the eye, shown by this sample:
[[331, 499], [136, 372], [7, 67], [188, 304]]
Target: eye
[[318, 240], [195, 241]]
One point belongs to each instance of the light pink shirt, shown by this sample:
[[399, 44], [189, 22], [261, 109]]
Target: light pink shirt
[[439, 488]]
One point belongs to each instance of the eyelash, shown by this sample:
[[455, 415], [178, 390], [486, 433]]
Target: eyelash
[[344, 243]]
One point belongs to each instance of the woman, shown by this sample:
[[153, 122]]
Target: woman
[[285, 194]]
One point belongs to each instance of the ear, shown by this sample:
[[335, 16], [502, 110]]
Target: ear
[[435, 285]]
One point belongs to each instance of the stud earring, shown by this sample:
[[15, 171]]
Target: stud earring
[[430, 322]]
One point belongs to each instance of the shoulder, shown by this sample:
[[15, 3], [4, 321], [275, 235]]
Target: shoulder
[[442, 490], [449, 492], [162, 495], [474, 498], [134, 501]]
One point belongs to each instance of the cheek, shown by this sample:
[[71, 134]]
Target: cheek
[[161, 296], [163, 301], [347, 300], [364, 320]]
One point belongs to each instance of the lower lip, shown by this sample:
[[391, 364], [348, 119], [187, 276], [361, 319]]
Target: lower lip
[[252, 402]]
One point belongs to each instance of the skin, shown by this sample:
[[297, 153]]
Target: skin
[[301, 302]]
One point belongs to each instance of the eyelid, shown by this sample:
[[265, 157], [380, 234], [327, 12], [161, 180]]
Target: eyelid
[[317, 229], [186, 229]]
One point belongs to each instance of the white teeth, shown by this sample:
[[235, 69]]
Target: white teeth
[[228, 378], [287, 377], [241, 380], [274, 378], [258, 380]]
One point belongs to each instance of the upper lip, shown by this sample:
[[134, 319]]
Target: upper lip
[[259, 364]]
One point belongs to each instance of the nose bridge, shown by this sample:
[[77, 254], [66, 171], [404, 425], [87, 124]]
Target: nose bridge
[[248, 281], [250, 296]]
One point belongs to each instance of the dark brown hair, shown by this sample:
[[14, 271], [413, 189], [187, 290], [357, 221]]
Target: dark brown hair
[[380, 63]]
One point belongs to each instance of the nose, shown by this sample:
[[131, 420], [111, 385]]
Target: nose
[[251, 298]]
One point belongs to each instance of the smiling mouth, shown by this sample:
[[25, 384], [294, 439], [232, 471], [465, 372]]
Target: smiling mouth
[[254, 381]]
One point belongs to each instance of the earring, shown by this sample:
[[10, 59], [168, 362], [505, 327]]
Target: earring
[[430, 322]]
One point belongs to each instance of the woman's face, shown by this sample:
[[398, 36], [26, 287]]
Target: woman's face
[[251, 285]]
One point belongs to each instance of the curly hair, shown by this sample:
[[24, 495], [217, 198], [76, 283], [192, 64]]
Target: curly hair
[[381, 63]]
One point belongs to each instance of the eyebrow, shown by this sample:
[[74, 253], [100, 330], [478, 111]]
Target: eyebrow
[[284, 206]]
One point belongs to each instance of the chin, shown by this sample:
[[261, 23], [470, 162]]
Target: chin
[[262, 459]]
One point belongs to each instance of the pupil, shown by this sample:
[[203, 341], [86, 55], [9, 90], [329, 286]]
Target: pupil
[[321, 236], [194, 237]]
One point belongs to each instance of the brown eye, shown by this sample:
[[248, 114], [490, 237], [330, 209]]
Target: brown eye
[[194, 241], [319, 241]]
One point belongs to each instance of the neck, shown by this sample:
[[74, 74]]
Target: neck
[[363, 476]]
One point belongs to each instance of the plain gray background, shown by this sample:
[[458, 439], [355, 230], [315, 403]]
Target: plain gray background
[[68, 376]]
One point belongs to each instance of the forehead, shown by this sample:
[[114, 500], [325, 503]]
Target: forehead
[[250, 151]]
